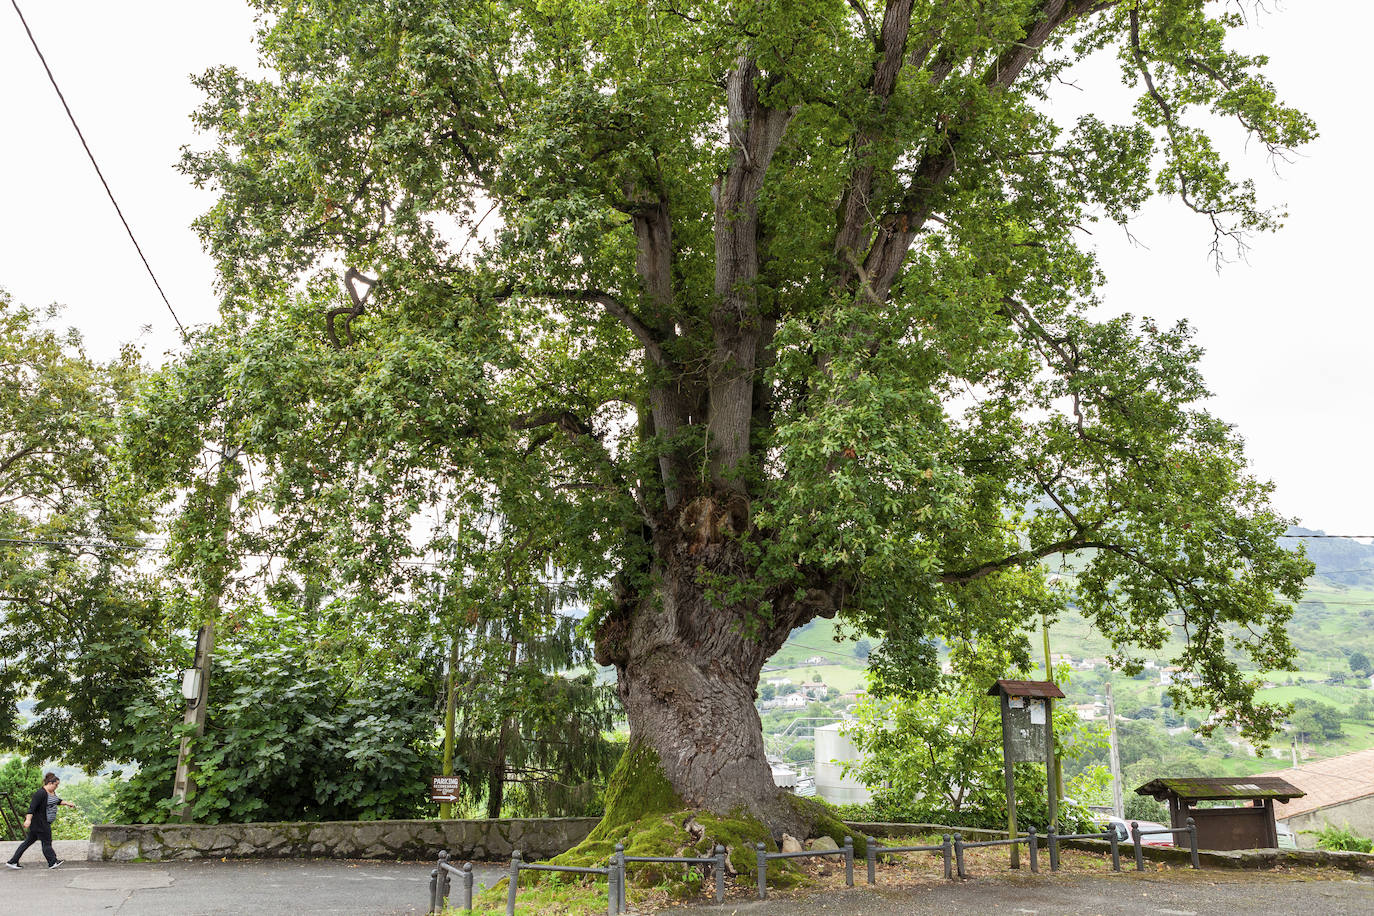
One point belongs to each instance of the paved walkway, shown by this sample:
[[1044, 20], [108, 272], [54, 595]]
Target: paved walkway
[[216, 888], [67, 850], [370, 888]]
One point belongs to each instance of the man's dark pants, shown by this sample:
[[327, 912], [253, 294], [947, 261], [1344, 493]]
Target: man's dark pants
[[37, 835]]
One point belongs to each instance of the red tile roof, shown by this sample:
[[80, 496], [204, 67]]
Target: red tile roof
[[1328, 782]]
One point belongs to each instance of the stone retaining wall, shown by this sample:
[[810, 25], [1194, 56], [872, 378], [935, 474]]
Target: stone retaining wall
[[482, 840], [542, 838]]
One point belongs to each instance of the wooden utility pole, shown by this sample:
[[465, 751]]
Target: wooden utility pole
[[196, 680], [1118, 807], [1056, 763]]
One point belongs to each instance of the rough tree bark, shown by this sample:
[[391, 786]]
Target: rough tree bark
[[688, 664]]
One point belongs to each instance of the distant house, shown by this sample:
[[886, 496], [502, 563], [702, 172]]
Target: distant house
[[793, 701], [778, 681], [814, 660], [1089, 711], [1340, 792], [814, 689]]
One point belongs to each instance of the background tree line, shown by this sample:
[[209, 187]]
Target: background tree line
[[327, 697]]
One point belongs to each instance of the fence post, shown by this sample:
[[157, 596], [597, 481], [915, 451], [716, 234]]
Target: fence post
[[613, 887], [871, 856], [1135, 838], [1053, 843], [720, 874], [761, 855], [1192, 840], [944, 852], [1034, 853], [514, 881], [849, 861], [959, 854], [467, 886], [445, 883], [1116, 847], [620, 863], [434, 891]]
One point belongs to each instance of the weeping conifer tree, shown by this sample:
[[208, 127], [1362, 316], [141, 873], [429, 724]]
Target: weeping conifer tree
[[531, 718]]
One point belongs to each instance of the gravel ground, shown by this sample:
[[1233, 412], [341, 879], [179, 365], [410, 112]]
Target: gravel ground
[[1166, 893], [1084, 886]]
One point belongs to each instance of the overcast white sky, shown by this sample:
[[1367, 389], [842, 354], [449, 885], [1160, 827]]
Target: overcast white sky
[[1288, 334]]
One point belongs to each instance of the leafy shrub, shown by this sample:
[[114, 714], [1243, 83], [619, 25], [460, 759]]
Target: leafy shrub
[[296, 730], [936, 757], [1341, 839], [1145, 808]]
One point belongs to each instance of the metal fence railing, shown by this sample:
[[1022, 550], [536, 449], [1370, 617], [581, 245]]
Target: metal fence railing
[[873, 850], [440, 884], [1137, 833], [951, 849], [1108, 835], [764, 857], [1029, 839], [716, 862]]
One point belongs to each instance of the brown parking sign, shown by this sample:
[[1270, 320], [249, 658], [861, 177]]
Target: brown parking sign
[[444, 788]]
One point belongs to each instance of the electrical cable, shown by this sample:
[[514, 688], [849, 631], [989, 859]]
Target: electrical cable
[[1326, 535], [90, 155]]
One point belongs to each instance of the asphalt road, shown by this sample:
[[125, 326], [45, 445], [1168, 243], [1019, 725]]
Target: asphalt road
[[1206, 893], [370, 888], [218, 888]]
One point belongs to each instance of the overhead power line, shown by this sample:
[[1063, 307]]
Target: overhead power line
[[1326, 535], [86, 146]]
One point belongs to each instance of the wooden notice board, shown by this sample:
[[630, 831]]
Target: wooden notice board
[[1028, 728]]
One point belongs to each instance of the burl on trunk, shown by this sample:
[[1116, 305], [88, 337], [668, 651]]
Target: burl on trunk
[[688, 662]]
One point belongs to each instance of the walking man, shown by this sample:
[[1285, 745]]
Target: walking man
[[38, 822]]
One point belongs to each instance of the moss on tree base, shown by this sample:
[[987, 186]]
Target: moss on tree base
[[645, 813]]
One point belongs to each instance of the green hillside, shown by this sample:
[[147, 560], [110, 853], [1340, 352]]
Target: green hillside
[[1333, 622]]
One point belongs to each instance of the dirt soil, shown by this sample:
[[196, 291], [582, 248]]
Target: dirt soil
[[914, 883]]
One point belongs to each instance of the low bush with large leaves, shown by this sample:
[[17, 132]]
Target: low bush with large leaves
[[302, 725], [936, 756]]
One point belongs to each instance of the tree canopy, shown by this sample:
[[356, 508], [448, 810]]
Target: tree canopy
[[81, 626], [737, 314]]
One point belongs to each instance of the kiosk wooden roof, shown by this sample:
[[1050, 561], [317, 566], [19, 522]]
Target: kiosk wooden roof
[[1026, 689], [1199, 789]]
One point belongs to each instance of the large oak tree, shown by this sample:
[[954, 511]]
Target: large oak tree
[[745, 313]]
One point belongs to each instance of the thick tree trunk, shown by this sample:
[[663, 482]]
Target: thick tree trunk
[[688, 664]]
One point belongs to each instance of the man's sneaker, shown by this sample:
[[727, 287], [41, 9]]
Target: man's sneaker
[[57, 863], [14, 865]]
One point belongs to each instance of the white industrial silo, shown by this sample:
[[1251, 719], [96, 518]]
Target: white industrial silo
[[832, 749]]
